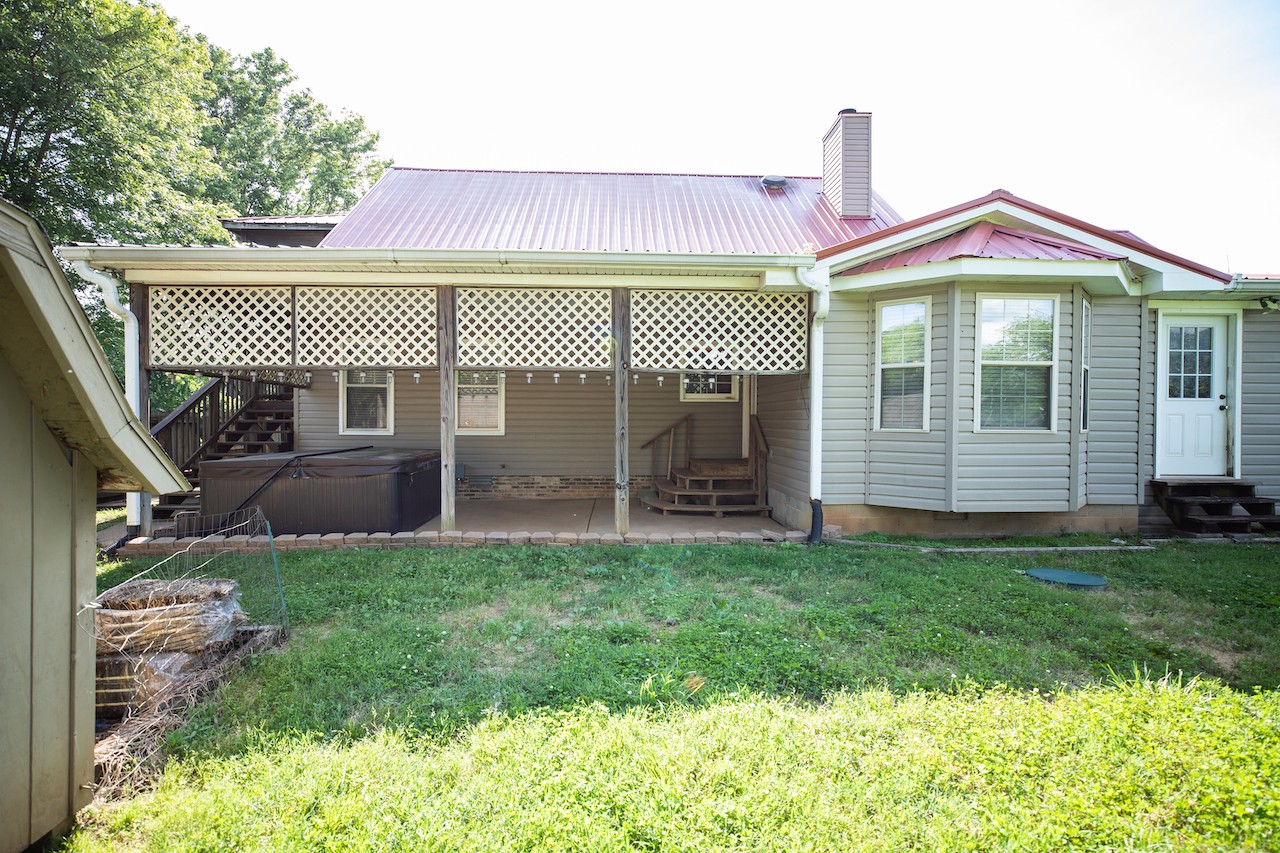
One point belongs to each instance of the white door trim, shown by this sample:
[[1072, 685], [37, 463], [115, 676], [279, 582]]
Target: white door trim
[[1166, 310]]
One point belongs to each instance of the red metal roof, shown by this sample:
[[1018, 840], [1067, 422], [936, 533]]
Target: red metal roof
[[602, 212], [987, 240], [1123, 238]]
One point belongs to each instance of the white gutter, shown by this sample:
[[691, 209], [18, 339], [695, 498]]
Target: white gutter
[[134, 501], [817, 280]]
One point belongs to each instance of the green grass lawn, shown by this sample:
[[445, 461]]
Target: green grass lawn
[[738, 698]]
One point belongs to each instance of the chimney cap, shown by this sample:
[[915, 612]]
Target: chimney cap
[[773, 182], [849, 111]]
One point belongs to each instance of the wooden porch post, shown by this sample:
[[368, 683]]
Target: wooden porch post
[[140, 305], [621, 362], [446, 335]]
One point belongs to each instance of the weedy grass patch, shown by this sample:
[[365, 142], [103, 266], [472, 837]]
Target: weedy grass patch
[[1153, 765], [965, 682]]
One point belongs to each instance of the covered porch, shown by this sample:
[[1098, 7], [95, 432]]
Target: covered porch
[[572, 386]]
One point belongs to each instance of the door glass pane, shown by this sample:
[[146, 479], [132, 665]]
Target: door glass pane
[[1190, 362]]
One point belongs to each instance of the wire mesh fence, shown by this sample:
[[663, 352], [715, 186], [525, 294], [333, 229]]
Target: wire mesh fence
[[171, 631]]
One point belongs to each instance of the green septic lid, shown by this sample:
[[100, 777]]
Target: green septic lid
[[1062, 576]]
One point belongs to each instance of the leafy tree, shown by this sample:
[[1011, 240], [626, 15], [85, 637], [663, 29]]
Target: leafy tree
[[117, 124], [280, 150], [100, 128]]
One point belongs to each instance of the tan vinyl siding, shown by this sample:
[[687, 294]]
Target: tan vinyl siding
[[1147, 408], [847, 400], [909, 469], [1116, 381], [46, 718], [1014, 471], [782, 403], [846, 165], [1260, 401], [564, 428]]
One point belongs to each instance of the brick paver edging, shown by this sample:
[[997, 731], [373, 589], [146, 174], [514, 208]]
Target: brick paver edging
[[163, 546]]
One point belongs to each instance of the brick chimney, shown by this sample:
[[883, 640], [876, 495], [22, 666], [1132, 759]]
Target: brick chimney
[[846, 164]]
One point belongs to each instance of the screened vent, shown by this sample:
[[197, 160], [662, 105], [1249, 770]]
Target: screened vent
[[386, 326], [532, 327], [221, 327], [719, 331]]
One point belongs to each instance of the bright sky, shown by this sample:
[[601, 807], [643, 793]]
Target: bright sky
[[1159, 116]]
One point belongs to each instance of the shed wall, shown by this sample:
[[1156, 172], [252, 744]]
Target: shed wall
[[46, 718]]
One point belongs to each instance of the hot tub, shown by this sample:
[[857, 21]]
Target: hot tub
[[348, 491]]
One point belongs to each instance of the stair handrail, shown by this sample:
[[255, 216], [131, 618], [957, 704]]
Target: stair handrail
[[189, 430], [670, 434]]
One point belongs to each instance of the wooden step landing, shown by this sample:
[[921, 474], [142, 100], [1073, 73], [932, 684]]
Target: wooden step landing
[[720, 511], [669, 487]]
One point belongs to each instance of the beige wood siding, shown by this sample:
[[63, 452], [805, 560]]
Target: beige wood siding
[[1260, 401], [1013, 471], [46, 718], [909, 469], [1116, 383], [782, 403], [564, 428], [846, 391]]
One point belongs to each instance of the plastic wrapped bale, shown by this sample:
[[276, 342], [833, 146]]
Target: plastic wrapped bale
[[151, 616], [124, 683]]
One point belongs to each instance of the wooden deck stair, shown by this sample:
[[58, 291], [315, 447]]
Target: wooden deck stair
[[717, 487], [1216, 506], [238, 418]]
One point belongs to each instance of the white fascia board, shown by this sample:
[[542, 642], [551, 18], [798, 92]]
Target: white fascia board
[[1168, 276], [913, 237], [1100, 278], [138, 263]]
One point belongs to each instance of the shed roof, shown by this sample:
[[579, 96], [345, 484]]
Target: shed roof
[[987, 240], [49, 342], [598, 211]]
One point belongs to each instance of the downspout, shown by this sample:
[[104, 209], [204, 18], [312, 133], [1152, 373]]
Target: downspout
[[137, 504], [820, 284]]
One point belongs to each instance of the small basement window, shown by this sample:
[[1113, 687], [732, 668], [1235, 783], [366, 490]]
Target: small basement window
[[482, 397], [366, 404], [708, 387]]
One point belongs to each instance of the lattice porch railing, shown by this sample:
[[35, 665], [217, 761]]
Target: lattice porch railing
[[534, 327], [216, 327], [369, 326], [719, 331]]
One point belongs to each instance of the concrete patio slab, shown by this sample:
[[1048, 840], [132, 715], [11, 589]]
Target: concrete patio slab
[[587, 515]]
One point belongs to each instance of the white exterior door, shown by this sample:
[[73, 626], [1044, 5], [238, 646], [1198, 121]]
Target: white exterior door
[[1191, 396]]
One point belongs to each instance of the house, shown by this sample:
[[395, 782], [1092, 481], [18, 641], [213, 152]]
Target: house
[[995, 367], [65, 432]]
